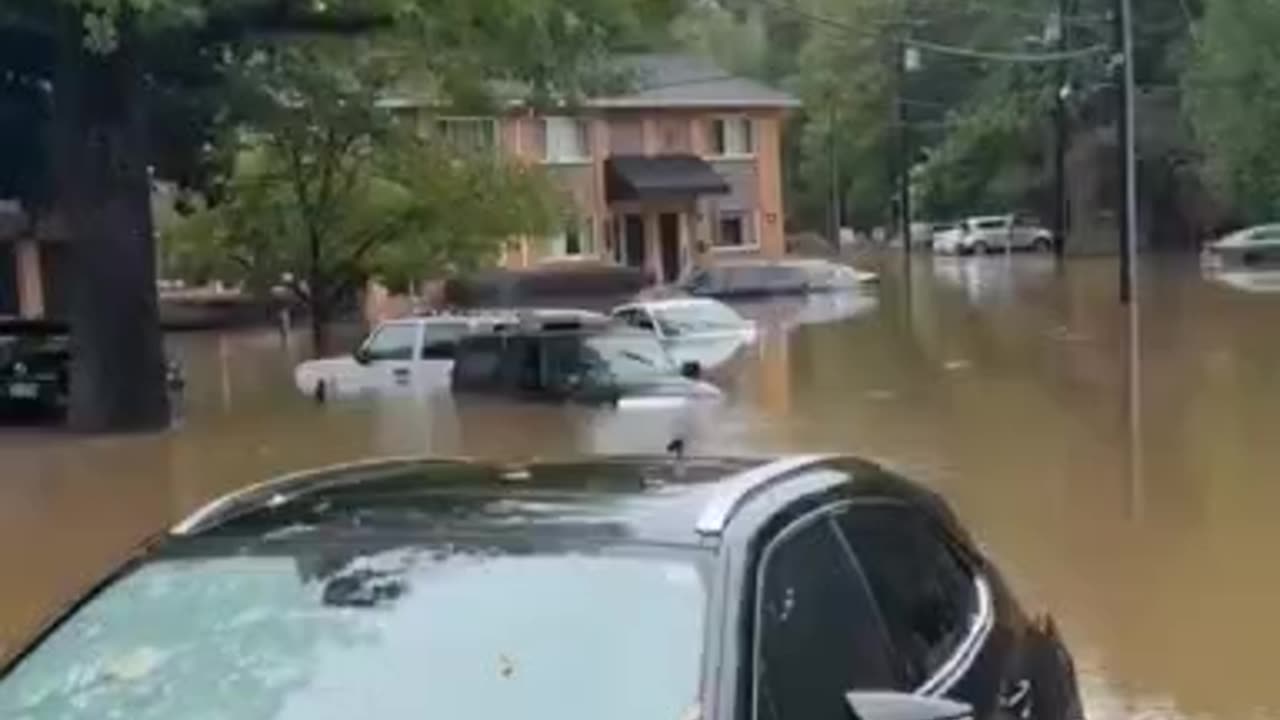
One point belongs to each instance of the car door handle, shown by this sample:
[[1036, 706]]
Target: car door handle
[[400, 372]]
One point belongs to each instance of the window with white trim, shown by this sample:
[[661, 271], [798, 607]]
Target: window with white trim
[[469, 134], [567, 139], [578, 238], [735, 230], [732, 136]]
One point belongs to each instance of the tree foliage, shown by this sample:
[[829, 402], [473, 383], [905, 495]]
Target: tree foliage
[[332, 185], [1233, 95], [115, 67]]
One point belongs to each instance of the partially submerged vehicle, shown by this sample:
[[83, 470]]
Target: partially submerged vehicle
[[698, 330], [1254, 248], [588, 365], [415, 355], [35, 370], [757, 277], [796, 588]]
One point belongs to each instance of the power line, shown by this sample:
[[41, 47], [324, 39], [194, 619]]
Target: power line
[[940, 48], [1001, 56]]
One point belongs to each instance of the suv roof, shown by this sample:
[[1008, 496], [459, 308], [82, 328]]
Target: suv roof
[[646, 499]]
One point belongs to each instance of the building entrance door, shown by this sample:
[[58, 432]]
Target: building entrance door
[[633, 245], [669, 243]]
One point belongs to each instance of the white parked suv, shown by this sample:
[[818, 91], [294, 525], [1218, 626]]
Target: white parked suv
[[991, 234]]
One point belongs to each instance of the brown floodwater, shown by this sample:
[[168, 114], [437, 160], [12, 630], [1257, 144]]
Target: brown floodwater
[[1128, 487]]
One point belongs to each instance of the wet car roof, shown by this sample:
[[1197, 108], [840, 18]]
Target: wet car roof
[[644, 500]]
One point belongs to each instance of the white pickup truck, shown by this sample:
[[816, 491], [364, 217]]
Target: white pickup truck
[[413, 356]]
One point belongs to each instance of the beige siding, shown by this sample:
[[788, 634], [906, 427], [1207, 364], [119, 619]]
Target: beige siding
[[744, 185], [771, 221], [626, 135], [674, 134]]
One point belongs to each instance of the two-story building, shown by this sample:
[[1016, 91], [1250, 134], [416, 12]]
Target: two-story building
[[681, 168]]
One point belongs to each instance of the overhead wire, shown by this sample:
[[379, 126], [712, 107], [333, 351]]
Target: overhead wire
[[939, 48]]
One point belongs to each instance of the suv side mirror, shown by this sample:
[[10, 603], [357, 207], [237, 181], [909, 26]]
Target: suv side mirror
[[691, 370], [903, 706], [361, 356]]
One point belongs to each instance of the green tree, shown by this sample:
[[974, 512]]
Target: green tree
[[1233, 99], [332, 186], [100, 57]]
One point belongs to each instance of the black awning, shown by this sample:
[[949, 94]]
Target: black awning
[[661, 177]]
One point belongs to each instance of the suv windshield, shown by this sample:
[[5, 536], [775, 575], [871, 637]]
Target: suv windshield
[[422, 632], [622, 358]]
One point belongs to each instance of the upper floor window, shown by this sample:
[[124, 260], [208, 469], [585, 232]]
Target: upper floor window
[[733, 136], [567, 139], [469, 134]]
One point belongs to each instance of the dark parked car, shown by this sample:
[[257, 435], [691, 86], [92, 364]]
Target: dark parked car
[[594, 365], [809, 588], [754, 277], [35, 359]]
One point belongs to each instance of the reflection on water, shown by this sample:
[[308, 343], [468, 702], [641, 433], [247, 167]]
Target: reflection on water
[[1146, 527]]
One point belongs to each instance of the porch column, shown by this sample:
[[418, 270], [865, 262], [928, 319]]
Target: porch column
[[653, 246], [30, 282]]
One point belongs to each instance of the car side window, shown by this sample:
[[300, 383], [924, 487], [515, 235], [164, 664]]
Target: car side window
[[392, 342], [817, 634], [440, 340], [636, 317], [926, 594]]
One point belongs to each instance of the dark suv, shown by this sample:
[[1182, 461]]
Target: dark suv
[[589, 365], [808, 588]]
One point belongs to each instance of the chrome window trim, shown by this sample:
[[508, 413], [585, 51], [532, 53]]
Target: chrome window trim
[[961, 659], [737, 489]]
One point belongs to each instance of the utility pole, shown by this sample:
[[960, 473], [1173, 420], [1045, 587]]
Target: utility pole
[[1061, 211], [904, 155], [1128, 214], [833, 211]]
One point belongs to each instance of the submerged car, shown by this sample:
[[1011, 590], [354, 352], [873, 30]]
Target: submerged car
[[590, 365], [1252, 248], [35, 369], [35, 358], [805, 588], [416, 354], [992, 234], [754, 277], [700, 330]]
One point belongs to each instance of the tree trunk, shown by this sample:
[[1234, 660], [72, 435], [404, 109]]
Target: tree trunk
[[118, 364], [319, 328]]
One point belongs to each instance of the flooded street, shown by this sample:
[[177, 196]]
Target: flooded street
[[1145, 527]]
